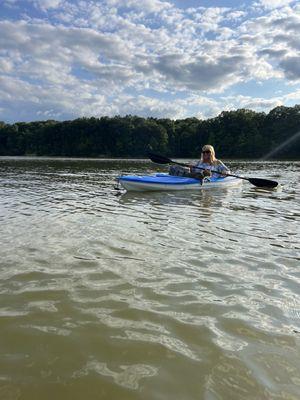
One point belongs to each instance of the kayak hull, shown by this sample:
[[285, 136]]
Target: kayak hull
[[165, 182]]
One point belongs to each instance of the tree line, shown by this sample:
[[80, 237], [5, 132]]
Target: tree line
[[235, 134]]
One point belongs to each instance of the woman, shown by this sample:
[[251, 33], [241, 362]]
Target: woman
[[208, 162]]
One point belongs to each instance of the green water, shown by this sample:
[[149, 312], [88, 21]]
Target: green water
[[147, 296]]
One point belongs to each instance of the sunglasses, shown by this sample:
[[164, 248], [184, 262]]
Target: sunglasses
[[206, 152]]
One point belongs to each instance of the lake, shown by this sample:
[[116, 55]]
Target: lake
[[158, 296]]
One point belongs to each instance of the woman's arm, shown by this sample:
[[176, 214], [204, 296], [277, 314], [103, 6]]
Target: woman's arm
[[222, 168]]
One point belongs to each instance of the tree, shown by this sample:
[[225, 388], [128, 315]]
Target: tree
[[235, 134]]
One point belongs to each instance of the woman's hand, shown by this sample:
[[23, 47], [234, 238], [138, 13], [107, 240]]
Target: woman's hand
[[206, 172], [224, 173]]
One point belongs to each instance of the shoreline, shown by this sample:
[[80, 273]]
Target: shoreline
[[108, 158]]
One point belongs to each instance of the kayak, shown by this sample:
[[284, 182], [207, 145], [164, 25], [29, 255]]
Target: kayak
[[168, 182]]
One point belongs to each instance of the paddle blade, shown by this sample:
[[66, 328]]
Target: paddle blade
[[263, 183], [156, 158]]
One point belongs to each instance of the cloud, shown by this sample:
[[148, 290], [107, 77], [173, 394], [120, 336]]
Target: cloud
[[274, 39], [235, 15], [272, 4], [84, 56], [200, 74], [273, 53], [146, 6], [52, 101], [291, 67], [51, 52], [6, 65], [259, 104], [45, 5], [145, 106], [47, 42]]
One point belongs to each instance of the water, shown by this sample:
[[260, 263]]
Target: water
[[147, 296]]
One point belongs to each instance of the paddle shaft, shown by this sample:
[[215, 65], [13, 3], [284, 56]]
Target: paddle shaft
[[260, 182]]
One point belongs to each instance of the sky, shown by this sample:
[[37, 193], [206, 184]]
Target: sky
[[63, 59]]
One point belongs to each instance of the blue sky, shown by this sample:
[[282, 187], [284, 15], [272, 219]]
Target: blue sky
[[63, 59]]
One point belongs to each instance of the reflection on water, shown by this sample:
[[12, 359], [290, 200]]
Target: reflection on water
[[147, 295]]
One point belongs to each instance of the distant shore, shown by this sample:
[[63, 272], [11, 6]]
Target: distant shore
[[240, 134], [104, 158]]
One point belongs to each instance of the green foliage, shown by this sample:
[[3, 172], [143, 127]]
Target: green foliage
[[235, 134]]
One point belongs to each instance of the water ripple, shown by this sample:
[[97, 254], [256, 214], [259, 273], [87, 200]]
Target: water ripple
[[161, 295]]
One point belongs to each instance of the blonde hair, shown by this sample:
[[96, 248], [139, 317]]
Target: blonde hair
[[210, 148]]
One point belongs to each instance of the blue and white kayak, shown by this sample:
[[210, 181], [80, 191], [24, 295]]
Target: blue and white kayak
[[168, 182]]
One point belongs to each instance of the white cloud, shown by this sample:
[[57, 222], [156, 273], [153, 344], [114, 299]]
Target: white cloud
[[147, 6], [235, 15], [45, 5], [259, 104], [6, 65], [89, 56], [272, 4]]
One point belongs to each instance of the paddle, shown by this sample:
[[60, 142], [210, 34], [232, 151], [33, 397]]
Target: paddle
[[259, 182]]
